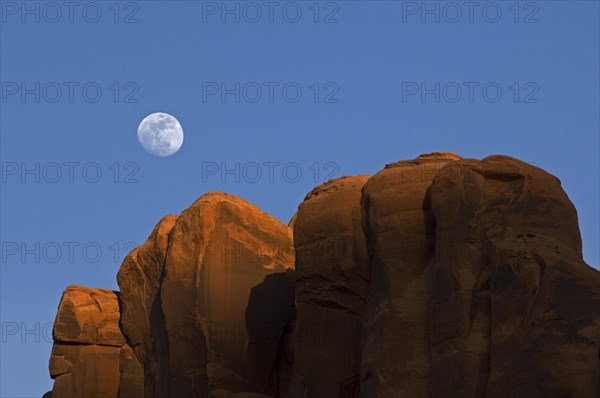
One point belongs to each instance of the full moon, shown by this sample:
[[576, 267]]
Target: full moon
[[160, 134]]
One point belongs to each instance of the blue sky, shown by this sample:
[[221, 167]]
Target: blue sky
[[307, 91]]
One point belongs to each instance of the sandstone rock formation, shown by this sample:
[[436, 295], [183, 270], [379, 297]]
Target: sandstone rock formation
[[513, 307], [90, 357], [435, 277], [270, 322], [398, 225], [184, 294], [332, 278]]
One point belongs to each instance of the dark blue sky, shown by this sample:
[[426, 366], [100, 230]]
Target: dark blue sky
[[291, 94]]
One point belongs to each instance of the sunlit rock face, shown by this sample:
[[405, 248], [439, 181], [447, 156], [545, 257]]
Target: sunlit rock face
[[90, 357], [435, 277], [185, 293]]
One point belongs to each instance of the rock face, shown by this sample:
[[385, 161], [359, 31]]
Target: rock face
[[473, 285], [398, 225], [513, 307], [184, 294], [90, 357], [143, 319], [435, 277], [270, 322], [332, 278]]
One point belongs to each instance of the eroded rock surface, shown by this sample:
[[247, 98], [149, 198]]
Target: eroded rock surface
[[513, 307], [332, 277], [435, 277], [400, 236], [87, 358], [185, 293]]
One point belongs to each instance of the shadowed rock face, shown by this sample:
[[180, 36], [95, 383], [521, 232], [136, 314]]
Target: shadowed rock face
[[513, 307], [400, 236], [435, 277], [270, 316], [332, 278], [143, 321]]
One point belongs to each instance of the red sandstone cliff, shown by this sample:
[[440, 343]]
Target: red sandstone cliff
[[435, 277]]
